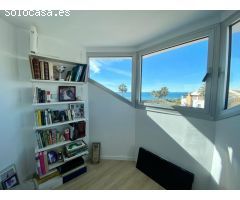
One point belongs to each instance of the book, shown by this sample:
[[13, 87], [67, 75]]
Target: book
[[46, 70], [42, 164], [38, 168], [42, 70], [82, 78], [79, 73], [45, 161], [50, 66], [36, 68]]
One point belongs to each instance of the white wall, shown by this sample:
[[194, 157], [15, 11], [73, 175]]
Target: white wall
[[186, 142], [111, 123], [15, 118], [226, 160], [61, 49]]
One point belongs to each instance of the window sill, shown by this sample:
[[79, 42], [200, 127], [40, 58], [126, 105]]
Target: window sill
[[176, 110]]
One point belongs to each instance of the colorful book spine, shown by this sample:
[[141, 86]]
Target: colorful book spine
[[38, 167], [42, 165], [42, 70], [46, 71], [45, 161], [50, 65], [36, 68]]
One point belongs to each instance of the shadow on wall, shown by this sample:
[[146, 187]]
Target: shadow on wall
[[225, 165], [226, 161], [186, 142]]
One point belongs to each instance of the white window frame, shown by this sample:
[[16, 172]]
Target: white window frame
[[223, 70], [208, 112], [115, 55]]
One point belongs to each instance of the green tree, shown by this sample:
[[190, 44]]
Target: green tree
[[202, 89], [160, 93], [122, 88]]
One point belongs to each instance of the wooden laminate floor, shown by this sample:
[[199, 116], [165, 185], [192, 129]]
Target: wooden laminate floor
[[112, 175]]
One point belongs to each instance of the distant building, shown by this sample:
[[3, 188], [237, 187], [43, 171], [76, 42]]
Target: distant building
[[193, 99], [233, 98]]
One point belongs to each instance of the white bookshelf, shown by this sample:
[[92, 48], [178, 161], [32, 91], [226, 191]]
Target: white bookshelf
[[58, 124], [59, 144], [57, 103], [53, 86], [57, 82]]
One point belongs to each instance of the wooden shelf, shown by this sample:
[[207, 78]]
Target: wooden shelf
[[59, 144], [57, 82], [58, 124], [57, 103]]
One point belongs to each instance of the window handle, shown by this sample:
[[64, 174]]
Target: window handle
[[205, 77]]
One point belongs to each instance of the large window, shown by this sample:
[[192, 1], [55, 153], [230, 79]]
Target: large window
[[233, 80], [174, 76], [115, 73]]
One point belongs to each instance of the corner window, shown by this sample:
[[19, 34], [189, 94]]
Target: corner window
[[114, 73], [233, 76], [174, 76]]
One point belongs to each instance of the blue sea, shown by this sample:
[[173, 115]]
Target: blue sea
[[147, 95]]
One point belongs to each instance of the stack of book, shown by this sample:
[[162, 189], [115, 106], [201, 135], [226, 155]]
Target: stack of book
[[77, 74], [41, 96], [42, 70], [75, 148], [45, 70], [47, 116], [48, 137]]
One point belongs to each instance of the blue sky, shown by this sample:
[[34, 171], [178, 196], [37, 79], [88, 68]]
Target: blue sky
[[111, 72], [235, 62], [179, 69]]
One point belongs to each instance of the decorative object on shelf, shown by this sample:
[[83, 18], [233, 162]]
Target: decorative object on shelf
[[96, 152], [67, 93], [60, 156], [67, 134], [10, 182], [60, 70], [52, 157], [48, 96], [33, 39]]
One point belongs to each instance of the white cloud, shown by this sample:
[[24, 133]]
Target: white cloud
[[95, 66]]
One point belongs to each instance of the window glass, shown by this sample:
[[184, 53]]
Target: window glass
[[115, 73], [173, 76], [233, 88]]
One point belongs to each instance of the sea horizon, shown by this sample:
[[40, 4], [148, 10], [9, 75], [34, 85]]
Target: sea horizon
[[148, 96]]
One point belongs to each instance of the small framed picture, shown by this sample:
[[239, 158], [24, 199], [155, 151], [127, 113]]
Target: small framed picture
[[77, 110], [10, 182], [67, 93]]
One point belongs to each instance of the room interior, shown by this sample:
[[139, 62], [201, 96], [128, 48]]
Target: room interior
[[203, 141]]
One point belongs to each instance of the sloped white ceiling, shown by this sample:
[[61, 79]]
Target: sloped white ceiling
[[113, 28]]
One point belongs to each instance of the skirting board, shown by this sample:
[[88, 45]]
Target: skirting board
[[118, 158]]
